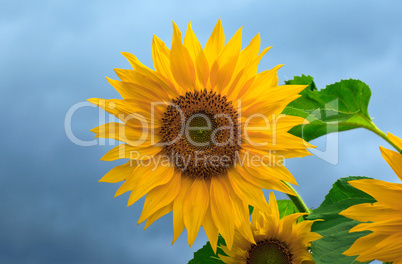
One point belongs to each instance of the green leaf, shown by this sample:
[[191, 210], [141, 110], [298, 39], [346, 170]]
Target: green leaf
[[303, 80], [335, 228], [339, 107], [286, 207], [206, 255]]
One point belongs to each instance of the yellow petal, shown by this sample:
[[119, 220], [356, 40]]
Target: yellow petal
[[249, 193], [387, 226], [178, 224], [253, 66], [260, 220], [284, 123], [119, 173], [181, 64], [150, 178], [130, 183], [242, 218], [222, 210], [211, 230], [273, 181], [132, 112], [389, 249], [275, 140], [389, 194], [228, 260], [223, 68], [124, 151], [238, 84], [360, 227], [273, 101], [160, 197], [158, 214], [273, 204], [124, 133], [248, 72], [369, 212], [396, 140], [137, 85], [161, 57], [271, 161], [244, 79], [304, 229], [197, 54], [263, 81], [195, 206], [289, 223], [142, 69], [249, 54], [394, 159], [366, 242], [274, 156], [215, 43]]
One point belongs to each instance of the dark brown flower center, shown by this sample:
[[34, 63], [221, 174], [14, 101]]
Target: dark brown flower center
[[269, 252], [201, 133]]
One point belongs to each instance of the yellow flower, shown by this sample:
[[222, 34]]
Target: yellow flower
[[384, 218], [278, 241], [203, 133]]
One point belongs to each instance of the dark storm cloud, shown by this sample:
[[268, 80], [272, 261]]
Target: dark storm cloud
[[54, 55]]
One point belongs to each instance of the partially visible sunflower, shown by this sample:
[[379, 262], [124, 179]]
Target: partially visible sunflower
[[384, 218], [198, 103], [277, 241]]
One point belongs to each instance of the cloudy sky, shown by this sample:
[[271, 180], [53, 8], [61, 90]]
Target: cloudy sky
[[56, 54]]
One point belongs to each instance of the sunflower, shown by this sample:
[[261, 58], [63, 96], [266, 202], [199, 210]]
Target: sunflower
[[277, 241], [203, 133], [384, 218]]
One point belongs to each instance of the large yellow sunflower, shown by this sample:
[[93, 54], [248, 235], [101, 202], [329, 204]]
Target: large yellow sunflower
[[203, 133], [277, 241], [384, 218]]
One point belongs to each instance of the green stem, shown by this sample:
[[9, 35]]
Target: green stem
[[376, 130], [387, 262], [373, 128], [297, 200]]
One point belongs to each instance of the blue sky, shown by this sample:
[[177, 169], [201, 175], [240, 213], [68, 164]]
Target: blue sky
[[56, 54]]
